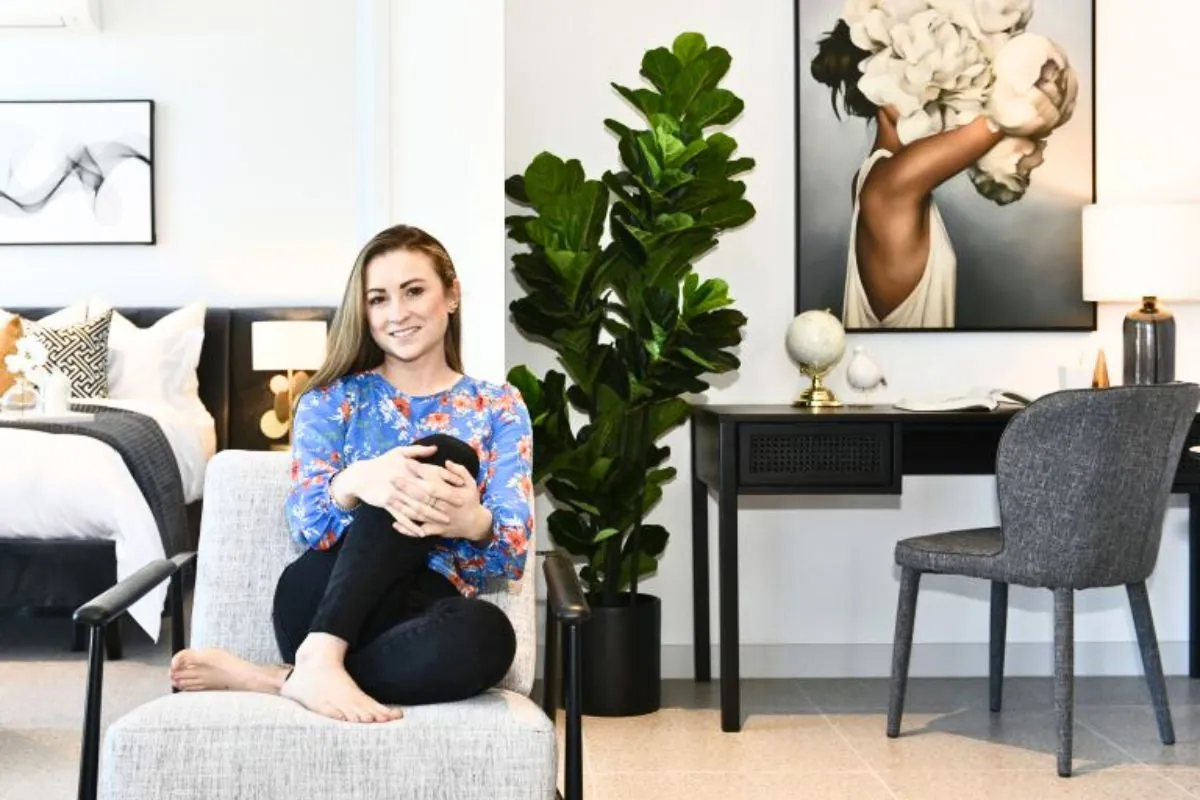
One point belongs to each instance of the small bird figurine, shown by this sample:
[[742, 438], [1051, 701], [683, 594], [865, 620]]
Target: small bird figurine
[[863, 374]]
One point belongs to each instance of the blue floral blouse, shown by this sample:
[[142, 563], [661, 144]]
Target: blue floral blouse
[[361, 416]]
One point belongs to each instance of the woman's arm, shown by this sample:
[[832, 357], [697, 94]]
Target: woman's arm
[[912, 174], [318, 441], [508, 490]]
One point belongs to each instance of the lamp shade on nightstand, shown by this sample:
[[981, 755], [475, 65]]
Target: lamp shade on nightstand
[[1143, 252], [287, 344]]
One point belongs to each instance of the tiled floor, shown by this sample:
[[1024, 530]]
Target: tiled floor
[[801, 738]]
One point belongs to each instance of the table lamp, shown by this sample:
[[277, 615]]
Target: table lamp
[[1148, 252], [289, 346]]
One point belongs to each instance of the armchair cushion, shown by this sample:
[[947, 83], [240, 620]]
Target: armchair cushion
[[497, 745]]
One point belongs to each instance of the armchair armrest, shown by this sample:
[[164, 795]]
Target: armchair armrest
[[567, 608], [564, 592], [112, 603], [97, 613]]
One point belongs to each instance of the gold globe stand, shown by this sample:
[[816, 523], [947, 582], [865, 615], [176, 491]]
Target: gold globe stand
[[818, 395]]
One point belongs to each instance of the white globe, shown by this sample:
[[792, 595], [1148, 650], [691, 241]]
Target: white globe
[[816, 340]]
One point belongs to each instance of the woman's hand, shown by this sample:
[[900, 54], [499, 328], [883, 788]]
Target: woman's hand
[[445, 501], [373, 481]]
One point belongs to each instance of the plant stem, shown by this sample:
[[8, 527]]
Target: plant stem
[[612, 556], [635, 540]]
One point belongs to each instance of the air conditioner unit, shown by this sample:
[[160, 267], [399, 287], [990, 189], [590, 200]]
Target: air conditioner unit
[[50, 14]]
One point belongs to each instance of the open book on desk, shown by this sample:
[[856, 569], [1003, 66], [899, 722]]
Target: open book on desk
[[977, 399]]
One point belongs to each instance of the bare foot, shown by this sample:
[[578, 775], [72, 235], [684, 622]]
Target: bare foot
[[325, 687], [210, 668]]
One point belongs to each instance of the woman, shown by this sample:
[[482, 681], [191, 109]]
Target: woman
[[401, 532], [900, 272]]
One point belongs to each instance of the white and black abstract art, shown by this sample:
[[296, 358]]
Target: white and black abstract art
[[77, 172]]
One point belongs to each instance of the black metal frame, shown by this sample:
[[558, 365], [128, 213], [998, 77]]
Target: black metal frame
[[566, 606], [97, 615]]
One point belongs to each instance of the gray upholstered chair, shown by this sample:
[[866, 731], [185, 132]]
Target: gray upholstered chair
[[1083, 479], [497, 745]]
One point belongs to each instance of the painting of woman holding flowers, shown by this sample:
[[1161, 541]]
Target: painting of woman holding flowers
[[958, 206]]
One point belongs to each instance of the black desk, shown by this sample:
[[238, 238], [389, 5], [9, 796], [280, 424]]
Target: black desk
[[778, 449]]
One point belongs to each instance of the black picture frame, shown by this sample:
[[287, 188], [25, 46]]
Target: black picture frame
[[813, 288], [93, 139]]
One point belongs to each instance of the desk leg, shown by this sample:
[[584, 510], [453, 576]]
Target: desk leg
[[1194, 584], [700, 604], [727, 580]]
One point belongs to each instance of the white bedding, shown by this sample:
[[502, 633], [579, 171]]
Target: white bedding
[[66, 485]]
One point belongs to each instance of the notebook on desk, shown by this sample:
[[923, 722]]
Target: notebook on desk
[[977, 399]]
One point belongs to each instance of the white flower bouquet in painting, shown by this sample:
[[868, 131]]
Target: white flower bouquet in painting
[[944, 63]]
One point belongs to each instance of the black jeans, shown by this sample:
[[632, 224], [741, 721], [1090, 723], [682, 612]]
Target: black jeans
[[413, 638]]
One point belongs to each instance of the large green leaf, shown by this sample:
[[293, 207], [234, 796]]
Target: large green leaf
[[644, 100], [660, 66], [728, 214], [687, 46], [549, 176], [717, 107]]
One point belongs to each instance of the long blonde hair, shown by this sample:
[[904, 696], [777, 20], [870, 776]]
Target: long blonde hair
[[350, 348]]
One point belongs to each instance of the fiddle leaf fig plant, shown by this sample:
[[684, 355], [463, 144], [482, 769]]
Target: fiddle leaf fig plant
[[634, 327]]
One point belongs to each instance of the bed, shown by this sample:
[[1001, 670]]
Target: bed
[[57, 547], [70, 504]]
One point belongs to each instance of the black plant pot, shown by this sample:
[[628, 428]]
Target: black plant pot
[[622, 662]]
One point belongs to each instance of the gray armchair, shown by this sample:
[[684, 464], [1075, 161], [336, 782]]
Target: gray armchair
[[1083, 479], [500, 744]]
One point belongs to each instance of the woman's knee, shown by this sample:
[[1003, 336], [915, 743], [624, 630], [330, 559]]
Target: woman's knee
[[489, 635]]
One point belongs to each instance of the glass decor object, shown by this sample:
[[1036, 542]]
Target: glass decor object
[[21, 398]]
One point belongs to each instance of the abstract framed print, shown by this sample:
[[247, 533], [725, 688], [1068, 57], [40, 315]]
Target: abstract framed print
[[77, 172]]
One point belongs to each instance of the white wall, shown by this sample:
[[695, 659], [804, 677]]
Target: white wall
[[254, 145], [818, 589], [283, 140]]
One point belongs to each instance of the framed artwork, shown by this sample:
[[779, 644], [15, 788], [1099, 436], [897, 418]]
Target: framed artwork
[[77, 172], [944, 152]]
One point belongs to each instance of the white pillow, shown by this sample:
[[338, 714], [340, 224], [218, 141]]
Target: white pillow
[[70, 315], [155, 364]]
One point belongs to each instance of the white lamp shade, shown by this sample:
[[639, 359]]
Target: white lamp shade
[[287, 344], [1141, 250]]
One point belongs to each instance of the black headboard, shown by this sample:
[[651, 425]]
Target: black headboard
[[213, 370], [230, 389]]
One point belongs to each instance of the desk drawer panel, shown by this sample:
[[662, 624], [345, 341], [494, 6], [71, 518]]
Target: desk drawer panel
[[815, 454]]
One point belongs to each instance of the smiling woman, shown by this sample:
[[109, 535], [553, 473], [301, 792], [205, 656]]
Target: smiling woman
[[410, 490]]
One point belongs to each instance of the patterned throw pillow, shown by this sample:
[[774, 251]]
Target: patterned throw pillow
[[80, 351]]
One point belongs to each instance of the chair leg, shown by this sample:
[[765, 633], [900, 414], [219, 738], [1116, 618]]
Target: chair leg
[[1064, 675], [1143, 623], [112, 640], [552, 666], [996, 643], [906, 612]]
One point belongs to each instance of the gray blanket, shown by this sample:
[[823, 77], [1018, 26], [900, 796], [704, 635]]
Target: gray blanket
[[147, 454]]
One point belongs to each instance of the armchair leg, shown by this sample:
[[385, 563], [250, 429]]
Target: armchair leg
[[89, 764], [112, 640], [996, 643], [573, 768], [906, 611], [1064, 675], [1143, 623], [552, 669]]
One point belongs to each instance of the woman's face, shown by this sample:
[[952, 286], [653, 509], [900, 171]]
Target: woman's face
[[408, 308]]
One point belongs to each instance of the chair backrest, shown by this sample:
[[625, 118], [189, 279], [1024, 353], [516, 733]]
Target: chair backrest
[[1084, 477], [244, 546]]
